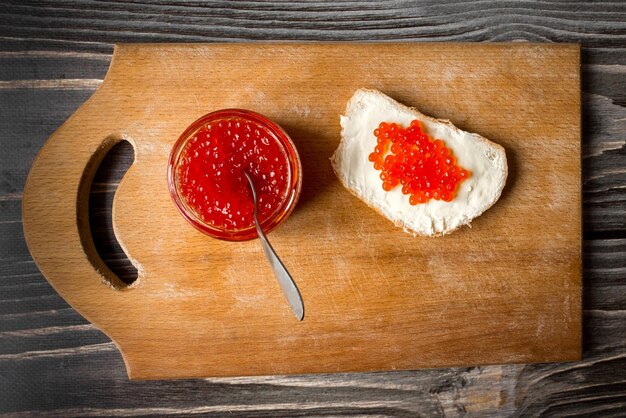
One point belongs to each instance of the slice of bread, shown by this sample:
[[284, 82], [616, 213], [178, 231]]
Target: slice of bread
[[484, 159]]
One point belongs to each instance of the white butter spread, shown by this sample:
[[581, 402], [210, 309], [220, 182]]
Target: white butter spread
[[486, 162]]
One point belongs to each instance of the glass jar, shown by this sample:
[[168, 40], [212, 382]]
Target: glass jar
[[271, 131]]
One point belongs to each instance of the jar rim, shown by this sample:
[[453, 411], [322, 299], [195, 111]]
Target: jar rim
[[294, 168]]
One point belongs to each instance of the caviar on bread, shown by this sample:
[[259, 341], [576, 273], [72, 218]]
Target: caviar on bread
[[423, 174]]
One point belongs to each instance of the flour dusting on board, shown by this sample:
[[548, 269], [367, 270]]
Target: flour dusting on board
[[303, 111], [174, 291]]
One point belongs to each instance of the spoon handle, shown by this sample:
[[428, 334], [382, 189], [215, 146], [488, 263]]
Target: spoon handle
[[287, 284], [290, 290]]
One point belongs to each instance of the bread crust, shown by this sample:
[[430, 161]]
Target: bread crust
[[352, 107]]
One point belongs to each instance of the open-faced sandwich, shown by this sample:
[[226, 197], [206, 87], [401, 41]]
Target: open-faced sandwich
[[423, 174]]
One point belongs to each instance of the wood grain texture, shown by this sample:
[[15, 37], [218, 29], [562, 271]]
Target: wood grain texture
[[376, 298], [58, 369]]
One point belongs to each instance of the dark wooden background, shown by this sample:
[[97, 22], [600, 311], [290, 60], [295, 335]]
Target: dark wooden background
[[53, 55]]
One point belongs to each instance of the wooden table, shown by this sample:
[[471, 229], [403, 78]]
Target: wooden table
[[53, 57]]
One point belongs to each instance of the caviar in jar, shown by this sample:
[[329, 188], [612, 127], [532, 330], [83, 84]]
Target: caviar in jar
[[207, 171]]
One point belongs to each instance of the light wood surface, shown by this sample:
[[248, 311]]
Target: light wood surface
[[507, 290]]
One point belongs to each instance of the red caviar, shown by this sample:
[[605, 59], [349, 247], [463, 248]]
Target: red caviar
[[424, 167], [206, 173], [211, 173]]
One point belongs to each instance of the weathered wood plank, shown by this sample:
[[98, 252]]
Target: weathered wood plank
[[603, 280], [58, 68], [18, 345], [237, 20], [94, 26], [604, 167]]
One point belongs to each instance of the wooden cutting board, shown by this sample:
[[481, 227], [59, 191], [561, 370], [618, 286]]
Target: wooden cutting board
[[506, 290]]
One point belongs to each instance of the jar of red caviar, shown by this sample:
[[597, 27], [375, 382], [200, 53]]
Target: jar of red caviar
[[206, 174]]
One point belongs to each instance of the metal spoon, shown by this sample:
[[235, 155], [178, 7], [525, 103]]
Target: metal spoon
[[290, 290]]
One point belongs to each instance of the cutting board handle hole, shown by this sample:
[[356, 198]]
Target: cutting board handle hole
[[112, 162]]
